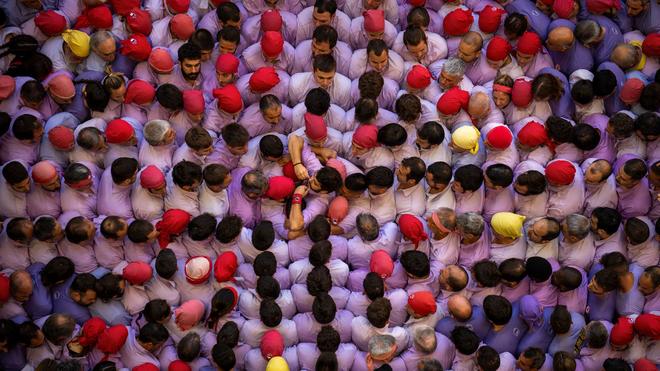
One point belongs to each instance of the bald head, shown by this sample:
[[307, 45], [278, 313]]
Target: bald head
[[473, 39], [560, 39], [470, 47], [597, 172], [459, 307], [626, 56], [20, 285], [479, 105]]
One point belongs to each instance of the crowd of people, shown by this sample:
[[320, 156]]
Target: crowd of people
[[194, 185]]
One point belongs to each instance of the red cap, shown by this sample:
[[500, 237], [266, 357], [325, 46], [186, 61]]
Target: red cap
[[499, 137], [119, 131], [124, 7], [100, 17], [418, 77], [412, 229], [422, 303], [146, 367], [381, 263], [139, 92], [490, 19], [112, 339], [161, 60], [622, 333], [227, 63], [7, 86], [374, 20], [229, 99], [601, 6], [61, 137], [44, 172], [179, 365], [193, 101], [61, 86], [173, 222], [178, 6], [4, 288], [498, 49], [452, 101], [272, 344], [279, 187], [521, 93], [457, 22], [137, 273], [152, 177], [182, 26], [533, 134], [225, 266], [288, 171], [263, 79], [416, 3], [271, 20], [315, 127], [136, 47], [563, 8], [272, 43], [560, 172], [198, 269], [631, 91], [651, 45], [90, 331], [50, 22], [644, 364], [139, 21], [529, 43], [366, 136], [648, 325]]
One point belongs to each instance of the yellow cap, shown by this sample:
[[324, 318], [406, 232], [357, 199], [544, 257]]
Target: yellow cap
[[466, 137], [507, 224], [277, 364], [78, 41]]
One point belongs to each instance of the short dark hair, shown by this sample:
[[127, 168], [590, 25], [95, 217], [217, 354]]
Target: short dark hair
[[440, 172], [43, 227], [486, 273], [534, 181], [14, 172], [325, 6], [166, 265], [24, 127], [156, 310], [139, 230], [413, 35], [75, 231], [497, 309], [235, 135], [325, 34], [432, 132], [214, 174], [380, 176], [329, 179], [268, 287], [609, 219], [515, 24], [604, 83], [228, 11], [378, 312], [585, 137], [635, 168], [416, 263], [536, 355], [58, 269], [637, 231], [559, 129], [154, 333], [328, 339], [560, 320], [83, 283], [186, 173], [223, 356], [271, 146], [228, 228], [465, 340], [169, 96], [488, 358], [324, 309], [408, 107], [270, 313], [123, 169], [201, 227], [392, 135], [189, 51], [582, 92], [319, 280], [317, 101], [500, 175], [324, 63], [374, 286], [470, 177]]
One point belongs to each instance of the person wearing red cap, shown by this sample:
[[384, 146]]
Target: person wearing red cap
[[452, 105], [457, 22], [366, 150], [121, 138], [44, 196], [264, 81], [228, 104], [273, 51], [157, 69], [136, 47], [531, 135], [498, 56], [530, 55], [50, 23], [498, 140], [272, 345], [420, 47], [226, 72], [422, 307], [566, 188], [60, 90], [389, 7], [270, 19], [420, 83], [325, 76], [412, 230], [622, 334], [371, 25], [171, 29], [138, 21], [490, 19], [193, 104], [95, 18], [138, 99]]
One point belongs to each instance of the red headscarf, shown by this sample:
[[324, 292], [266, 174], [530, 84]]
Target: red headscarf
[[648, 325], [160, 60], [529, 43], [7, 86], [272, 43], [124, 7], [315, 127], [174, 222], [227, 63], [418, 77], [91, 331], [137, 273], [601, 6], [146, 367], [490, 19], [458, 22], [182, 26], [422, 303], [631, 91], [112, 339], [118, 131], [263, 79], [139, 21], [271, 20], [178, 6], [61, 137], [622, 333], [452, 101], [272, 344], [152, 177], [50, 22], [179, 365], [189, 313], [498, 49], [651, 45], [381, 263], [562, 8], [229, 99], [193, 101], [99, 17], [225, 266], [136, 47], [279, 187], [412, 229], [499, 137], [366, 136], [139, 92], [521, 93], [533, 134], [4, 288], [374, 20], [560, 172]]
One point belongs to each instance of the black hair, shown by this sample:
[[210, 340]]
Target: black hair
[[189, 51], [432, 132], [123, 169], [470, 177], [500, 175], [170, 97], [392, 135], [380, 176], [166, 264], [139, 230], [498, 309], [416, 263]]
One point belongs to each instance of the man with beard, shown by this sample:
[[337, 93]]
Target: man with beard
[[74, 295], [187, 73]]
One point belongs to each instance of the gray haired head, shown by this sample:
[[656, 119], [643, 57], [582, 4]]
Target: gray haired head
[[381, 345], [367, 226], [454, 67], [470, 223], [254, 182], [155, 131], [587, 31], [424, 339], [576, 225]]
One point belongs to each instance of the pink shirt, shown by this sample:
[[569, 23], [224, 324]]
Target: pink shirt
[[340, 22], [476, 251], [159, 156], [15, 254], [304, 58], [308, 328], [308, 353], [133, 354], [251, 27], [113, 199], [160, 288], [501, 252], [531, 205], [569, 199], [82, 255], [359, 251], [580, 254], [362, 331], [253, 58], [304, 301], [436, 45], [444, 352], [358, 303], [250, 301], [178, 198], [253, 330], [387, 96], [253, 121], [303, 82], [360, 39], [108, 252]]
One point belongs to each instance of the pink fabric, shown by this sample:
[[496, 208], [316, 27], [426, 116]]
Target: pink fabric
[[188, 314]]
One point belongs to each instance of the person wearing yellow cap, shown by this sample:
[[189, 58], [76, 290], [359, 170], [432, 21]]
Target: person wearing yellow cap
[[464, 139], [506, 243], [277, 364], [68, 50]]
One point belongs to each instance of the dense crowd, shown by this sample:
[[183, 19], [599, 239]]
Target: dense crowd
[[195, 185]]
